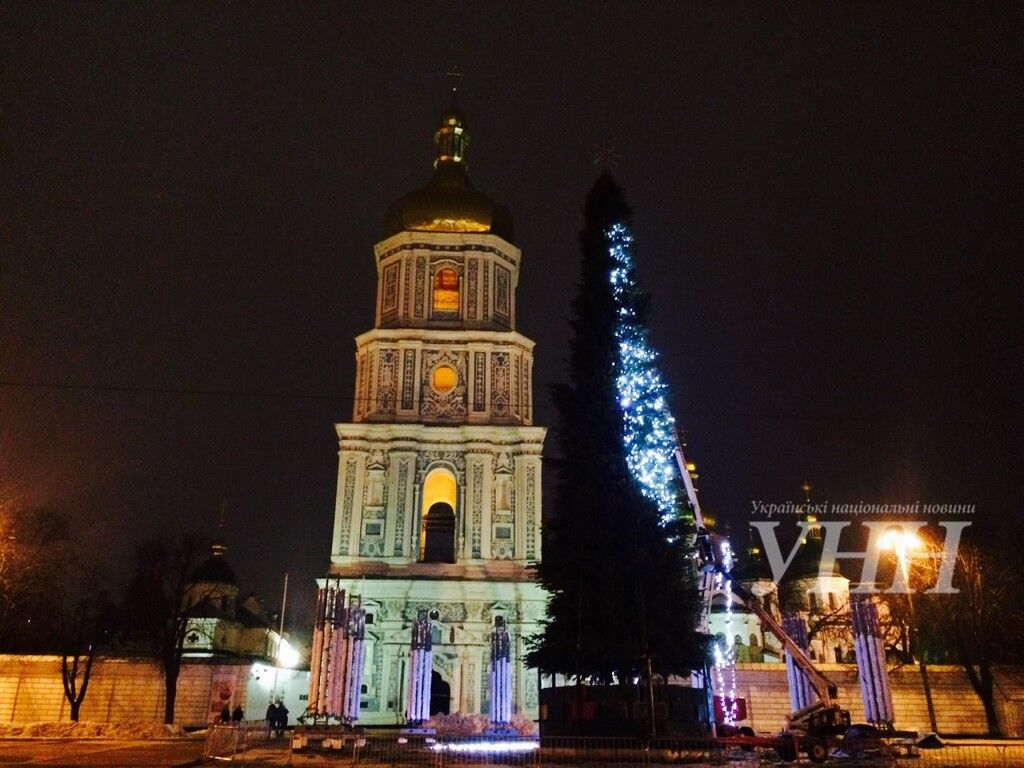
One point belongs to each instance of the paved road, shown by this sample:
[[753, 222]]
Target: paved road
[[87, 753]]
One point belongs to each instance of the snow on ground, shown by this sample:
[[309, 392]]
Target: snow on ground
[[136, 730]]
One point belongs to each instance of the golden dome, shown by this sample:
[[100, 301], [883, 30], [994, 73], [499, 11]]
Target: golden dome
[[449, 202]]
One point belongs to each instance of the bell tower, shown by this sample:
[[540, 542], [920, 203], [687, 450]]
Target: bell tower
[[439, 504]]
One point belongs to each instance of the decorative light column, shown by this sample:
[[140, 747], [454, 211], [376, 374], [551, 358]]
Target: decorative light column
[[871, 670], [421, 664], [328, 667], [501, 675], [356, 657], [801, 694]]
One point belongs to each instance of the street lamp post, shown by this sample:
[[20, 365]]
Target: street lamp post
[[903, 543]]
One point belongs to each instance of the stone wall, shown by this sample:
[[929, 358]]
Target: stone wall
[[957, 709], [119, 690]]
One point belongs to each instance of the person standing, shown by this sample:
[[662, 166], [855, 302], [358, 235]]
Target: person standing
[[271, 718], [281, 717], [237, 714]]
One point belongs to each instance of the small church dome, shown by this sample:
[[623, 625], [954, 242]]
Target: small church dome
[[449, 202], [216, 569]]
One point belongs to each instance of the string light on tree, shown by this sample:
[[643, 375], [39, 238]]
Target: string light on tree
[[649, 432]]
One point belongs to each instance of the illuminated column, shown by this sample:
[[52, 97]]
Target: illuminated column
[[337, 669], [501, 675], [319, 620], [327, 670], [421, 664], [355, 661], [871, 671], [801, 694]]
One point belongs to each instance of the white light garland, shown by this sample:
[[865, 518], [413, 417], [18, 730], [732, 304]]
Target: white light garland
[[649, 438], [726, 660]]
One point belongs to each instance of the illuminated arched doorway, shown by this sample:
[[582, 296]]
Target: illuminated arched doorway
[[437, 535]]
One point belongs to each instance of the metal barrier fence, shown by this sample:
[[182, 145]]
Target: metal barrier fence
[[988, 754], [330, 747], [226, 742]]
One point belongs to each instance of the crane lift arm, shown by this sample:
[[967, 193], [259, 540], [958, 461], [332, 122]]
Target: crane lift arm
[[823, 687]]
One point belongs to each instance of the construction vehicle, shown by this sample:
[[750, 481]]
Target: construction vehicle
[[813, 729]]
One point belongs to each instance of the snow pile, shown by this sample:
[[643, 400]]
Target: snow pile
[[476, 725], [132, 730]]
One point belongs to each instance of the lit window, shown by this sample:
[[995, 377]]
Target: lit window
[[444, 379], [446, 292], [437, 537]]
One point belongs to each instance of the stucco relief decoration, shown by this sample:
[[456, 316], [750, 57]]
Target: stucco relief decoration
[[387, 382], [531, 512], [516, 397], [448, 613], [421, 279], [471, 287], [470, 700], [444, 664], [348, 497], [477, 505], [530, 681], [360, 385], [403, 479], [500, 383], [524, 389], [378, 672], [373, 488], [394, 680], [408, 378], [389, 300], [407, 294], [503, 549], [501, 295], [486, 289], [453, 459], [479, 376], [368, 394], [452, 403]]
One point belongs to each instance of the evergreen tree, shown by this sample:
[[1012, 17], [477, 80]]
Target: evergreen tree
[[614, 561]]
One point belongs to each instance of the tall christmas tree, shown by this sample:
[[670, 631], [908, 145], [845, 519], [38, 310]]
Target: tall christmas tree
[[614, 558]]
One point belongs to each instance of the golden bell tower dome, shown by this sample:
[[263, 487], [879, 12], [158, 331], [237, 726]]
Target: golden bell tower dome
[[449, 202]]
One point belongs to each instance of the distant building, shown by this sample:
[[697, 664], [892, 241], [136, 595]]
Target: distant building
[[823, 601], [222, 624]]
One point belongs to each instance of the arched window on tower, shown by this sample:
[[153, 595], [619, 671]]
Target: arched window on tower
[[446, 294], [437, 536]]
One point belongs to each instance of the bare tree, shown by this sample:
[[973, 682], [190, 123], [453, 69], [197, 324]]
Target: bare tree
[[983, 620], [86, 621], [34, 550], [155, 604]]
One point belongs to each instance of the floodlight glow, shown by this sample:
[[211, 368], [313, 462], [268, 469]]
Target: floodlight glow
[[287, 655], [901, 541]]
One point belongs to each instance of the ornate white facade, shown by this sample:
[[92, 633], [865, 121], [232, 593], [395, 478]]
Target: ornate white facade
[[439, 479]]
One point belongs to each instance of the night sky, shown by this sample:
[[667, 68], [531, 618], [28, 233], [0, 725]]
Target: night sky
[[827, 204]]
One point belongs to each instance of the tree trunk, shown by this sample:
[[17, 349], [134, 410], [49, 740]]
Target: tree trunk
[[988, 700], [171, 691], [992, 718], [75, 707]]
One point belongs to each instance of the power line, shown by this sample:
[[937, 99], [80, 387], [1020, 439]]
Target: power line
[[900, 419]]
